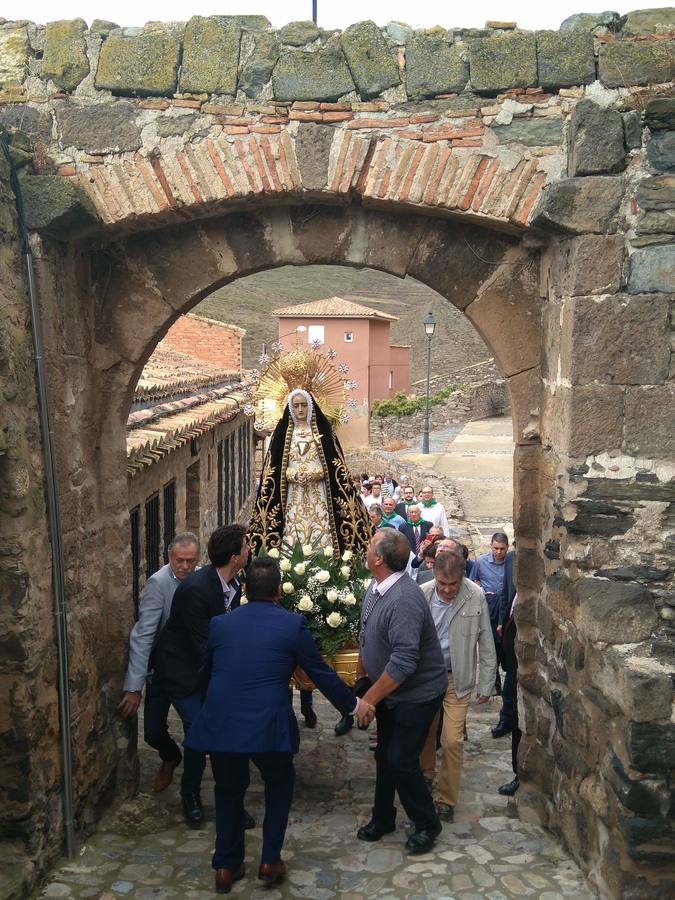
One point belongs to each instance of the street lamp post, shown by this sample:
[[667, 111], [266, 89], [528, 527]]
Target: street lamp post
[[429, 328]]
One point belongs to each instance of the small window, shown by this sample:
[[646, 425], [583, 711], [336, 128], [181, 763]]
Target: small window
[[391, 379], [349, 337], [315, 333]]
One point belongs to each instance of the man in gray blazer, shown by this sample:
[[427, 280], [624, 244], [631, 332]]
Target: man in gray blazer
[[153, 613], [462, 621]]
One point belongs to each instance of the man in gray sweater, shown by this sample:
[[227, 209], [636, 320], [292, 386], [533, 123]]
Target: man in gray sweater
[[401, 655]]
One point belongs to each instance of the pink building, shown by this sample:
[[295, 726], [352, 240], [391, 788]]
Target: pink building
[[361, 337]]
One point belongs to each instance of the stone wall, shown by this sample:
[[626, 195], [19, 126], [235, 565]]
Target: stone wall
[[487, 397], [30, 766]]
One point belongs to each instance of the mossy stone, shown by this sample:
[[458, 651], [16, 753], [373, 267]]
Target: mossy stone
[[504, 60], [258, 68], [650, 21], [14, 50], [622, 63], [56, 206], [590, 21], [369, 59], [565, 59], [145, 64], [660, 113], [322, 75], [103, 27], [210, 56], [248, 23], [176, 125], [65, 59], [297, 34], [434, 65]]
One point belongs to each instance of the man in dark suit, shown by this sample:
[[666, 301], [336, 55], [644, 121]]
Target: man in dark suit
[[415, 529], [181, 650], [247, 716], [507, 632]]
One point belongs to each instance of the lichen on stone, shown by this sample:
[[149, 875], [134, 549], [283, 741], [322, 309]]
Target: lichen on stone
[[503, 60], [434, 64], [210, 55], [369, 58], [323, 75], [145, 64], [65, 59], [14, 50]]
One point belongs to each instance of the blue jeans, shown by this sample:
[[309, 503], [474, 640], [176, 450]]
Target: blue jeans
[[194, 762], [231, 774]]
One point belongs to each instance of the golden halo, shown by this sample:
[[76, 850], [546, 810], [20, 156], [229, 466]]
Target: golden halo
[[308, 369]]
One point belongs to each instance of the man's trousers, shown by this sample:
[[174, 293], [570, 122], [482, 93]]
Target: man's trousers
[[452, 745], [231, 775]]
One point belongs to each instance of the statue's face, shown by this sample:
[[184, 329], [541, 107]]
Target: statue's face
[[299, 405]]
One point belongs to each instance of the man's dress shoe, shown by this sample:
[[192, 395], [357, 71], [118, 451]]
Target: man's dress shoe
[[445, 812], [500, 729], [249, 821], [225, 878], [373, 832], [271, 873], [310, 717], [164, 776], [509, 789], [192, 810], [423, 840], [345, 724]]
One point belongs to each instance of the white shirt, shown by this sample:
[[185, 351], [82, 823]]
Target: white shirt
[[436, 515]]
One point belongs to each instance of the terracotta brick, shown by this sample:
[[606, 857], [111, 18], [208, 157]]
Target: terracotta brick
[[379, 123], [468, 112], [262, 109], [467, 142], [366, 167], [161, 177], [236, 120], [233, 129], [530, 198], [339, 163], [92, 158], [336, 107], [465, 202], [222, 109], [336, 116], [187, 104], [445, 96], [152, 104], [220, 169], [274, 120], [306, 105], [422, 118], [434, 181], [160, 198], [66, 170], [255, 152], [448, 134], [404, 192], [485, 183], [384, 184], [58, 95], [370, 106], [300, 116], [413, 134], [242, 153], [185, 169], [271, 163], [265, 129], [350, 168]]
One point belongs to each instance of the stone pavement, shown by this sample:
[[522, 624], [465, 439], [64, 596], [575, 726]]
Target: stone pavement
[[145, 850]]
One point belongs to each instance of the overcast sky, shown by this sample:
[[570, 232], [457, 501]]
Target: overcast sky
[[528, 14]]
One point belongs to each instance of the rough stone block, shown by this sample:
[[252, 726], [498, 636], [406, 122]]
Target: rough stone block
[[530, 132], [145, 63], [504, 60], [65, 59], [14, 52], [591, 21], [622, 63], [616, 340], [36, 123], [594, 517], [661, 151], [527, 505], [614, 613], [656, 222], [588, 264], [56, 206], [565, 58], [369, 59], [578, 205], [323, 75], [109, 128], [312, 151], [650, 413], [651, 747], [660, 113], [650, 21], [596, 140], [176, 126], [103, 27], [297, 34], [595, 419], [258, 68], [632, 129], [525, 395], [652, 269], [210, 56], [434, 65]]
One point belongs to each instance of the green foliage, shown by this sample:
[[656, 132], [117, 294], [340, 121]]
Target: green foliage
[[401, 405]]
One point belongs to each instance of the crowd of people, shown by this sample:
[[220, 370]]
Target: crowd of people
[[434, 625]]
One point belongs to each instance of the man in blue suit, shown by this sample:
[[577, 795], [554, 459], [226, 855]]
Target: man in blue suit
[[247, 716]]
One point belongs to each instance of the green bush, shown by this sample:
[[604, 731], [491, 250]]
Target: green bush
[[401, 405]]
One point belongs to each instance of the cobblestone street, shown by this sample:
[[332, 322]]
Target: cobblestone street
[[147, 852]]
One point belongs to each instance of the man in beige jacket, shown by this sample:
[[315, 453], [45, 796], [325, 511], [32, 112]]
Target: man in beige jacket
[[462, 620]]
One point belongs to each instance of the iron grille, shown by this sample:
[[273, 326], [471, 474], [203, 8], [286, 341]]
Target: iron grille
[[135, 529], [151, 535], [169, 506]]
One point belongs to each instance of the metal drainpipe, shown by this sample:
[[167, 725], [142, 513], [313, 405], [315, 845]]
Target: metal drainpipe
[[61, 625]]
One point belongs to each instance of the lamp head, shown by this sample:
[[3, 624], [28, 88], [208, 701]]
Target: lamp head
[[429, 324]]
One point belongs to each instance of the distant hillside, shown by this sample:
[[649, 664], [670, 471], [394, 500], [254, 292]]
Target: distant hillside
[[248, 303]]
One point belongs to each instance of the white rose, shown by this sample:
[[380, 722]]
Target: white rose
[[332, 596], [305, 604], [345, 571], [327, 551], [285, 565], [347, 555], [334, 620], [307, 550], [287, 587], [350, 600], [274, 553], [243, 599], [366, 582], [322, 576], [299, 568]]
